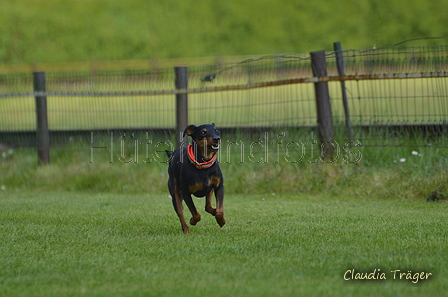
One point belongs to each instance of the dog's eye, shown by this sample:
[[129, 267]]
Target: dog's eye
[[217, 131], [203, 132]]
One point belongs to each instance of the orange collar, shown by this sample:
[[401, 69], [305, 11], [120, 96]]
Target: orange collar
[[198, 165]]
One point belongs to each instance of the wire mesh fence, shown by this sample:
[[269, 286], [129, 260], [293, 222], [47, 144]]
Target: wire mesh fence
[[393, 93]]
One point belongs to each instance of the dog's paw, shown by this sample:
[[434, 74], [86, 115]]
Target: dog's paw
[[220, 219], [194, 220]]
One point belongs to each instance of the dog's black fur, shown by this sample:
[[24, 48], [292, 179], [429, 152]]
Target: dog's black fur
[[187, 177]]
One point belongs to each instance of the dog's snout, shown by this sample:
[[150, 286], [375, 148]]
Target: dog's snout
[[216, 139]]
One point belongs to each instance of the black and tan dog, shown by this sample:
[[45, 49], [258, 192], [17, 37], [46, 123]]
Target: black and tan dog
[[195, 170]]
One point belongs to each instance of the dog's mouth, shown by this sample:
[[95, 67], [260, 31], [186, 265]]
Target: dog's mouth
[[215, 147]]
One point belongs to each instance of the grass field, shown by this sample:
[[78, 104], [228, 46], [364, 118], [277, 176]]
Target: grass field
[[87, 244], [296, 225], [99, 222], [137, 29], [261, 163]]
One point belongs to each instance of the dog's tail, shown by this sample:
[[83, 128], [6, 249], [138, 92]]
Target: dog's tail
[[169, 154]]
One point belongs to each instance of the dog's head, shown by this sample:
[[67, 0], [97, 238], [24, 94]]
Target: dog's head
[[207, 137]]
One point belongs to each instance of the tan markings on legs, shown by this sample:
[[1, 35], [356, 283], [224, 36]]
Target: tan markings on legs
[[196, 217], [215, 181], [208, 203], [180, 208], [220, 219]]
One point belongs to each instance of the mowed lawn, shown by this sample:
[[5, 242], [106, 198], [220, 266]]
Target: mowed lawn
[[93, 244]]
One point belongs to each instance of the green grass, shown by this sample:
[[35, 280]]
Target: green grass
[[413, 171], [137, 29], [73, 244], [77, 228]]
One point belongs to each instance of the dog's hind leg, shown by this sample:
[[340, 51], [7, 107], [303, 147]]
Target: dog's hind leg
[[177, 203]]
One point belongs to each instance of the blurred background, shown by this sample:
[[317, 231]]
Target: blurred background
[[110, 84], [48, 31]]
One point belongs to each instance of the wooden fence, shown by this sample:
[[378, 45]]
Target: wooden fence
[[389, 87]]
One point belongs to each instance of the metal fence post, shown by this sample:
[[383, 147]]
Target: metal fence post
[[181, 82], [340, 67], [42, 133], [324, 117]]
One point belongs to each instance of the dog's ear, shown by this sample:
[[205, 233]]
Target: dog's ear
[[189, 130], [213, 124]]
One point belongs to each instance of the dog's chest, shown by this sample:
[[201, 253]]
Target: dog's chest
[[201, 186]]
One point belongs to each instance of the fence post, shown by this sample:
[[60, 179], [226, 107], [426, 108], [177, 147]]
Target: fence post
[[340, 67], [181, 82], [42, 133], [324, 117]]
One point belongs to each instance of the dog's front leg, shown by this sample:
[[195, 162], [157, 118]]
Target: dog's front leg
[[196, 217], [208, 203]]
